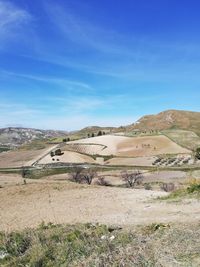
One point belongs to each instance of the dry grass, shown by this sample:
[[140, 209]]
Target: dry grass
[[184, 138], [176, 119], [88, 245]]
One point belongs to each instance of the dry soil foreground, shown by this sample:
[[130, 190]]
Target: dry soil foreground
[[28, 205]]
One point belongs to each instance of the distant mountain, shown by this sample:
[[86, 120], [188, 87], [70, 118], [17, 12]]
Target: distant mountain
[[170, 119], [13, 136]]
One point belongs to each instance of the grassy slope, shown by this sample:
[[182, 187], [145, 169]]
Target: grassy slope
[[97, 245], [187, 139]]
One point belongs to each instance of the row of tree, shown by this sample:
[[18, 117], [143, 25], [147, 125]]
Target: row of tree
[[82, 175], [66, 140], [98, 134]]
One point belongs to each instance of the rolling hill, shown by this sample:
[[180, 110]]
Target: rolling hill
[[170, 119], [13, 136]]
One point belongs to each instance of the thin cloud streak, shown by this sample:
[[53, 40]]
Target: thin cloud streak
[[11, 19], [59, 81]]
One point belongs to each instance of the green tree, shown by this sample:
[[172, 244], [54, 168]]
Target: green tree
[[99, 133], [58, 152], [197, 154]]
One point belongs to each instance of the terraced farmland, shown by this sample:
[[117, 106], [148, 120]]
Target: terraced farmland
[[90, 149], [122, 146]]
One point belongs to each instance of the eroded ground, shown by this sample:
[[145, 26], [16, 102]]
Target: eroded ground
[[54, 199]]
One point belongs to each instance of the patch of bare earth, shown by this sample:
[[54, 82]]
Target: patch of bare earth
[[138, 161], [148, 146], [68, 157], [65, 202], [18, 158], [122, 146]]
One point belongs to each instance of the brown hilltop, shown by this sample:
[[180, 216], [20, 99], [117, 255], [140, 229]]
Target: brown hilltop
[[177, 119]]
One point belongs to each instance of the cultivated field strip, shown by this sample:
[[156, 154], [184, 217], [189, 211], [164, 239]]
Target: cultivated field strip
[[90, 149]]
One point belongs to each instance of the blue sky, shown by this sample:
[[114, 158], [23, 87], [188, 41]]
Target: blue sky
[[67, 64]]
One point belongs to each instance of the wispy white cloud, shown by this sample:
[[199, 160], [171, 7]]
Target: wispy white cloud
[[48, 79], [85, 33], [11, 19], [113, 54]]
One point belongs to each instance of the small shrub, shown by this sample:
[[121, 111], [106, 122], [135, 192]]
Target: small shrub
[[193, 188], [24, 172], [147, 186], [58, 152], [17, 243], [101, 181], [157, 161], [197, 153], [99, 133], [168, 187], [155, 227]]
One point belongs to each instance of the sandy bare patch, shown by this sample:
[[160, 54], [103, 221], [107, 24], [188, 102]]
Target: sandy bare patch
[[90, 149], [109, 141], [10, 179], [139, 161], [63, 202], [18, 158], [148, 145], [68, 157], [135, 146]]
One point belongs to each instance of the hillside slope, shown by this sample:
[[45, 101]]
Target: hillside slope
[[170, 119], [13, 136]]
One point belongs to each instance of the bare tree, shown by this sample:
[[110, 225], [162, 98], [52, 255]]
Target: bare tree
[[168, 187], [88, 176], [76, 174], [81, 175], [132, 178]]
